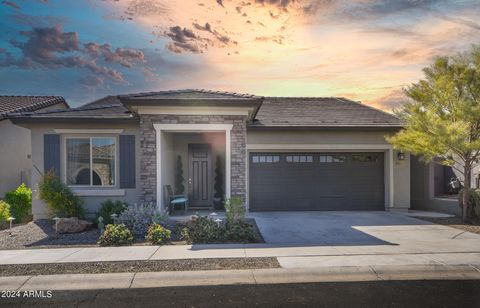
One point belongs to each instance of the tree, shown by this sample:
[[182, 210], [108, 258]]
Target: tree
[[179, 179], [443, 116]]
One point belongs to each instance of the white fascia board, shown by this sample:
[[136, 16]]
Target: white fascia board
[[316, 146], [192, 127], [193, 110]]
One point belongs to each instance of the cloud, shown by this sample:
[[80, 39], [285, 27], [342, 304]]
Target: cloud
[[279, 39], [222, 38], [392, 101], [123, 56], [51, 48], [220, 2], [11, 4], [183, 40]]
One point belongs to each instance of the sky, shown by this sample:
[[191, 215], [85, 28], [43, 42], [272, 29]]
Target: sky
[[365, 50]]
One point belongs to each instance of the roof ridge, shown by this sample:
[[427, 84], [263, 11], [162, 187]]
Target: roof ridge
[[176, 91], [367, 106], [33, 106]]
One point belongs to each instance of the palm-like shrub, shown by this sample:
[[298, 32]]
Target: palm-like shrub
[[59, 197]]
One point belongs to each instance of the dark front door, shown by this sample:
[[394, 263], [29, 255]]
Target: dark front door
[[316, 181], [199, 177]]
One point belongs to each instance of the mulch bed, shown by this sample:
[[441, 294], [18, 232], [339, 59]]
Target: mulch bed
[[139, 266], [455, 222]]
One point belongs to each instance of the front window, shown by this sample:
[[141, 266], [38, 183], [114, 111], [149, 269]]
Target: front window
[[91, 161]]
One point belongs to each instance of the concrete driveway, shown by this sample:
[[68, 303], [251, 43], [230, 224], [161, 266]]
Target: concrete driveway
[[351, 229]]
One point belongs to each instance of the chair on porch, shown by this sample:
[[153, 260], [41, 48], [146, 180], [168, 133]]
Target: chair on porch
[[175, 199]]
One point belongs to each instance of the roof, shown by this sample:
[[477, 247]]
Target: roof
[[16, 104], [321, 112], [274, 112], [105, 108], [189, 94]]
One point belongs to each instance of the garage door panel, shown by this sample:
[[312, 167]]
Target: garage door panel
[[314, 181]]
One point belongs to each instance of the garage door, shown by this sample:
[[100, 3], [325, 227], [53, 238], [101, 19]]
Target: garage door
[[316, 181]]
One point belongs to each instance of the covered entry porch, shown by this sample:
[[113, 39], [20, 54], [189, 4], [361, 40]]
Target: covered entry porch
[[193, 152]]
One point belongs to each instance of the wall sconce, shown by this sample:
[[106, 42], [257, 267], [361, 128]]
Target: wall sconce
[[401, 155]]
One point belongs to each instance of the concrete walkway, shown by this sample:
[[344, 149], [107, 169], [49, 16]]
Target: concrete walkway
[[235, 277]]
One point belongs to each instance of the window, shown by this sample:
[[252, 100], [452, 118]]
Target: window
[[365, 158], [90, 161], [299, 158], [256, 159], [332, 158]]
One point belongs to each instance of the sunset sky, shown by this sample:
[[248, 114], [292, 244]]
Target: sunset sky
[[365, 50]]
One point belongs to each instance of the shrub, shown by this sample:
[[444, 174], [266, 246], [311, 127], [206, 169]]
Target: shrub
[[110, 207], [473, 209], [116, 235], [157, 235], [139, 218], [20, 201], [202, 230], [240, 231], [234, 210], [59, 197], [4, 214]]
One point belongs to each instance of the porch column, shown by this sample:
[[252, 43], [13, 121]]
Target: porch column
[[228, 163], [390, 178]]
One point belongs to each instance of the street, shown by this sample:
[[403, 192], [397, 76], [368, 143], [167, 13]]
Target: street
[[379, 294]]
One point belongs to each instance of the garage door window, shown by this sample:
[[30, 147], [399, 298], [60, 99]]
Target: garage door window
[[365, 158], [332, 158], [299, 158], [262, 159]]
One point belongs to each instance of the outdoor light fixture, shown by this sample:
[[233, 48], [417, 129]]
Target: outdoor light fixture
[[401, 155], [10, 219]]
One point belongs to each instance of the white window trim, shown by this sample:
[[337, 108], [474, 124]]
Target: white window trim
[[98, 192], [91, 162], [87, 131], [192, 128]]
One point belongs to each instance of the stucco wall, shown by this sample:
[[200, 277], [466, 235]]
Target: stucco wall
[[401, 169], [15, 151], [15, 164], [91, 203]]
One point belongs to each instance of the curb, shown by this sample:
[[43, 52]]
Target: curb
[[232, 277]]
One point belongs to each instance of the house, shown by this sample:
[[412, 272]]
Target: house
[[278, 153], [15, 143]]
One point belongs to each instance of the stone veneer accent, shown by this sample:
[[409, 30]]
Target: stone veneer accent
[[148, 148]]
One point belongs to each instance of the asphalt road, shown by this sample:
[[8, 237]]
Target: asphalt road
[[378, 294]]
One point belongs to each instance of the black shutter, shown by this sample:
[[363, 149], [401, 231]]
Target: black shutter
[[127, 161], [51, 153]]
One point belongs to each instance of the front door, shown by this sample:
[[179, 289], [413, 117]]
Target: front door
[[199, 175]]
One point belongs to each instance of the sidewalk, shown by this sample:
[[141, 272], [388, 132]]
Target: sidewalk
[[458, 251], [235, 277]]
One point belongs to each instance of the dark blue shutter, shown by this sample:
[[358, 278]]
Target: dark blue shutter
[[127, 161], [51, 153]]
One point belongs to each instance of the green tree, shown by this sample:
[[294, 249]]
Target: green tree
[[443, 116], [179, 179]]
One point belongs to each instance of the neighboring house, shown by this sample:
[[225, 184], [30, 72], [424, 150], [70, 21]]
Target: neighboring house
[[279, 153], [431, 189], [15, 143]]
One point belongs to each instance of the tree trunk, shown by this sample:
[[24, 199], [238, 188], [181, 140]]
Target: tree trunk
[[466, 191]]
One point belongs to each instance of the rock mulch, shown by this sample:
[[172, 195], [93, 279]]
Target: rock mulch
[[454, 222], [41, 234], [139, 266]]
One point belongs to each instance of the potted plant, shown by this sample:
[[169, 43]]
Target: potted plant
[[179, 179], [218, 196]]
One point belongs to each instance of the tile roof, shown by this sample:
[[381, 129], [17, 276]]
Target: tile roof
[[108, 107], [320, 112], [16, 104], [274, 111], [189, 94]]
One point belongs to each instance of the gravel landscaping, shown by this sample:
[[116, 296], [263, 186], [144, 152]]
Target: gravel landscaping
[[41, 234], [139, 266], [454, 222]]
